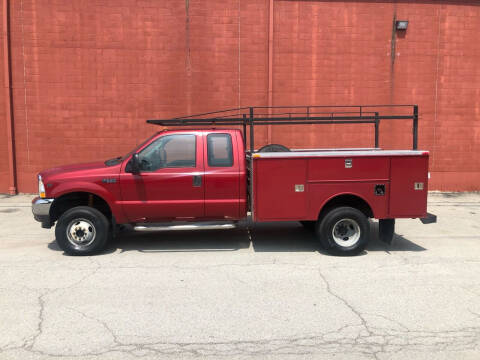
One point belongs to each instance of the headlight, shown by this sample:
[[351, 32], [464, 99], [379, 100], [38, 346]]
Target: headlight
[[41, 187]]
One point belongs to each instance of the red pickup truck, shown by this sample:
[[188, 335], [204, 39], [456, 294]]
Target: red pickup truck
[[204, 178]]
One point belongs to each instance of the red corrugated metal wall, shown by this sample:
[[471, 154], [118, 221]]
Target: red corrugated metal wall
[[86, 74]]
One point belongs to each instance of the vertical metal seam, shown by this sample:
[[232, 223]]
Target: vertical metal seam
[[270, 68], [393, 50], [415, 127], [27, 132], [239, 54], [252, 148], [188, 60], [393, 45], [12, 189], [436, 89]]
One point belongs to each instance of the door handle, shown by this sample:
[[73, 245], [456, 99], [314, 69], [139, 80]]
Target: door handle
[[197, 180]]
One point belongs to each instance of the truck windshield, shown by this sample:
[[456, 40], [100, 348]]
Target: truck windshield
[[119, 159]]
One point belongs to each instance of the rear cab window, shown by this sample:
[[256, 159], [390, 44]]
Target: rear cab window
[[219, 150]]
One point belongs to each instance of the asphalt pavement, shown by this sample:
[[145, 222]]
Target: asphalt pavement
[[267, 293]]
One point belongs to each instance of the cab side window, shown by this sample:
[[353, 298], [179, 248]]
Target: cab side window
[[170, 151], [219, 150]]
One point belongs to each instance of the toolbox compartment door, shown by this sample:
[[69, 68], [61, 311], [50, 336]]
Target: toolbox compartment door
[[409, 186], [280, 189]]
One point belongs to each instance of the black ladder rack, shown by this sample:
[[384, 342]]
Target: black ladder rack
[[299, 115]]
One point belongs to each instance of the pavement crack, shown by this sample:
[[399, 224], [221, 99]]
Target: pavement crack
[[30, 343], [103, 324], [345, 302]]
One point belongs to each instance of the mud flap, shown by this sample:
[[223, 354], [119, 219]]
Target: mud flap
[[386, 229], [430, 219]]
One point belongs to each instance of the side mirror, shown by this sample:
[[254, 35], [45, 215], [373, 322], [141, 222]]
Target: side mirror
[[133, 166]]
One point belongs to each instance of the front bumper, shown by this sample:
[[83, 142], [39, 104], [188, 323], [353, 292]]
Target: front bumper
[[41, 211]]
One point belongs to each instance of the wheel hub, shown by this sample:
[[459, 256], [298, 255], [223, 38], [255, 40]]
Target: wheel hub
[[81, 233], [343, 230], [346, 232]]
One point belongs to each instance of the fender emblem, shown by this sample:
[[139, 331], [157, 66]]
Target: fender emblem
[[109, 181]]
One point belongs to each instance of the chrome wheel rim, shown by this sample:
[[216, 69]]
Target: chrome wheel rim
[[346, 232], [81, 233]]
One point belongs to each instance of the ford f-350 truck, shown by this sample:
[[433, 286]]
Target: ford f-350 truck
[[197, 174]]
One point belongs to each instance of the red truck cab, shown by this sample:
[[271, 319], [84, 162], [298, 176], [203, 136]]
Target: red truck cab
[[205, 178], [184, 176]]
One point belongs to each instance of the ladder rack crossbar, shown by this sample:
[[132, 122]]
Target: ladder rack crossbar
[[312, 114]]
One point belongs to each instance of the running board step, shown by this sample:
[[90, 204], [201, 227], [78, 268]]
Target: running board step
[[185, 226]]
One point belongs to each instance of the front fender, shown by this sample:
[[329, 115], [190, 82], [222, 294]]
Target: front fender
[[93, 188]]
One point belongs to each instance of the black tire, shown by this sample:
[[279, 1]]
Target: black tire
[[92, 226], [309, 225], [352, 231], [273, 148]]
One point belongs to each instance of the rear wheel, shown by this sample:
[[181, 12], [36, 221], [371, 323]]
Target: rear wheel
[[344, 231], [82, 230]]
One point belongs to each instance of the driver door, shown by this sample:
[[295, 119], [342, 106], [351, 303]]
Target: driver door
[[170, 183]]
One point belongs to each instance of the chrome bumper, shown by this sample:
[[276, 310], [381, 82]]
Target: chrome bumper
[[41, 211]]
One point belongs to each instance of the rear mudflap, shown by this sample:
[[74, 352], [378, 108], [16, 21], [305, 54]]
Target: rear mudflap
[[430, 219], [386, 229]]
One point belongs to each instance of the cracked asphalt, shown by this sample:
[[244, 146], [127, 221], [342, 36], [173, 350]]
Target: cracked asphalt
[[267, 293]]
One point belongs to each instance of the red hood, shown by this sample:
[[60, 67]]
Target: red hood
[[73, 168]]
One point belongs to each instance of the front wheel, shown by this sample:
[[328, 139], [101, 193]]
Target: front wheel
[[344, 231], [82, 230]]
